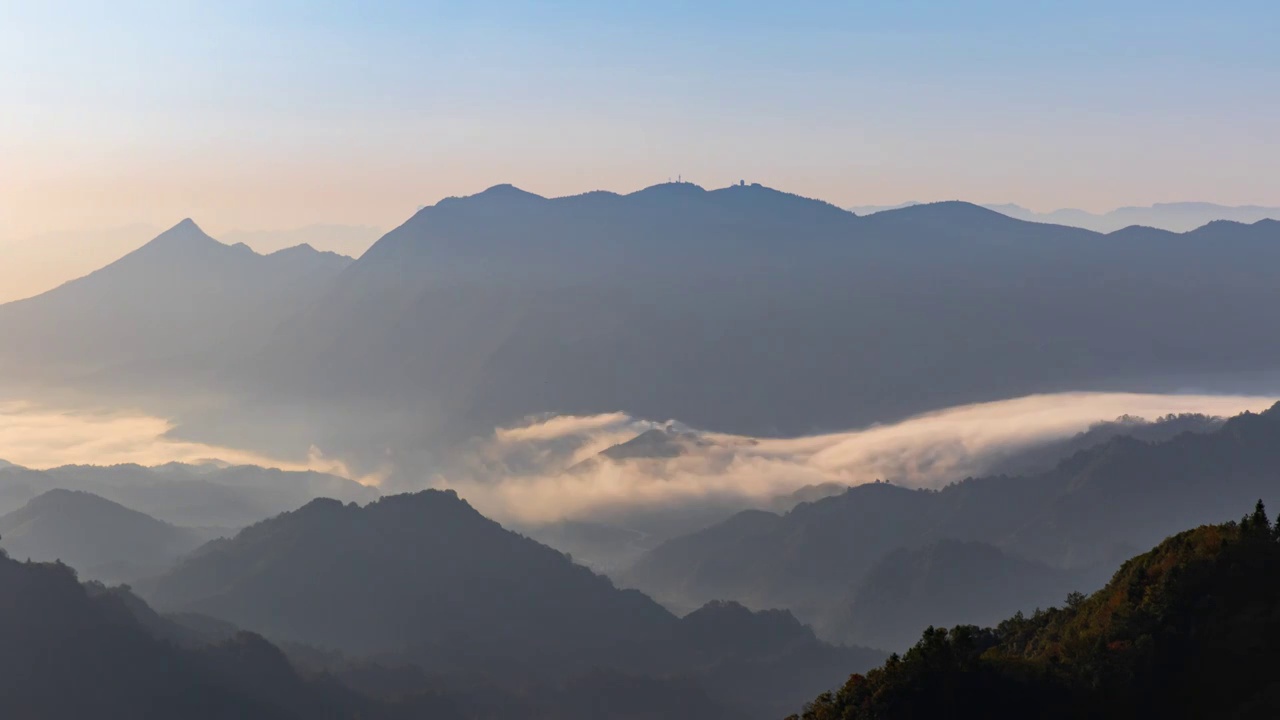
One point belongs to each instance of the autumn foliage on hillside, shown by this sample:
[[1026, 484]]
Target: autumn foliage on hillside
[[1189, 629]]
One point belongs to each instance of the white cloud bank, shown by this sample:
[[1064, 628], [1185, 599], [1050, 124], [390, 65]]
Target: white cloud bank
[[536, 472], [548, 469], [41, 437]]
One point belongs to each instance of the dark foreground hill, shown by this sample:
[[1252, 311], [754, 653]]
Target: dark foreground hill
[[426, 579], [70, 651], [1188, 630], [67, 654]]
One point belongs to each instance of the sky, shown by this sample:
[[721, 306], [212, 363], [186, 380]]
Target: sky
[[256, 116]]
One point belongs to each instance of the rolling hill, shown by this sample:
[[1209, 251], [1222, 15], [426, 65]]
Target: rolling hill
[[427, 579], [100, 539]]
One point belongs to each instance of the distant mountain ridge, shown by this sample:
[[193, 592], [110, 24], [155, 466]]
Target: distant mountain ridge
[[1175, 217], [200, 496], [946, 583], [348, 240], [742, 309], [732, 309], [1084, 515], [179, 305], [103, 540]]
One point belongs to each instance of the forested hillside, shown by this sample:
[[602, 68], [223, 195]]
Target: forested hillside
[[1188, 630]]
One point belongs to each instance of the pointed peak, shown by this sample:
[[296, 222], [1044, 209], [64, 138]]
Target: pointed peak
[[185, 231]]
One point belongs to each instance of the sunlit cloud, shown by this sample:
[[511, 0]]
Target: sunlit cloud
[[41, 437], [547, 469]]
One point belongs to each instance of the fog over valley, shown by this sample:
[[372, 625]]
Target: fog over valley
[[558, 467], [582, 361]]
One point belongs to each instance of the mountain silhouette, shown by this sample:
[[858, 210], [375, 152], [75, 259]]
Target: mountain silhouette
[[426, 578], [102, 540], [754, 311], [198, 496], [179, 305], [1085, 515], [946, 583], [1038, 458], [69, 653], [742, 309], [75, 650], [1177, 217], [504, 596], [1174, 217]]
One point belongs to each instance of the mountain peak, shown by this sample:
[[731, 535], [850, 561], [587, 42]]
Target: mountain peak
[[186, 234], [507, 191], [950, 209], [307, 251], [679, 188], [507, 188], [60, 499], [504, 194]]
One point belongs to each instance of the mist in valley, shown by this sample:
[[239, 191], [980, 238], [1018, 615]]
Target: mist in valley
[[582, 361]]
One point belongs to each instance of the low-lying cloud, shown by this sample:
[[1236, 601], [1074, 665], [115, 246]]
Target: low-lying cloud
[[41, 437], [549, 468]]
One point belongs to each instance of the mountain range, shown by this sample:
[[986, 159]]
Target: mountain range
[[426, 579], [208, 496], [750, 310], [742, 309], [77, 650], [417, 605], [1176, 217], [177, 308], [1068, 526]]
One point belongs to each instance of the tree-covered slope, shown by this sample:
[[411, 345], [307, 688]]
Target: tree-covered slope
[[1188, 630]]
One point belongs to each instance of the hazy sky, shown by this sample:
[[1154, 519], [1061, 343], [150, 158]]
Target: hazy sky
[[267, 115]]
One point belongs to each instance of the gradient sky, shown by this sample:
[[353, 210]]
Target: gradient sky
[[266, 115]]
